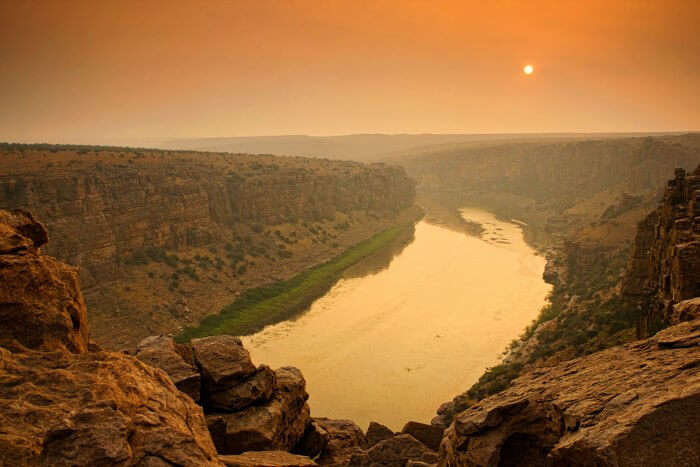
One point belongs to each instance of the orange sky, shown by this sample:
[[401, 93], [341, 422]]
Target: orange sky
[[92, 71]]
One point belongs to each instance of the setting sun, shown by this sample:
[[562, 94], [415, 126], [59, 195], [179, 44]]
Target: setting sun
[[528, 69]]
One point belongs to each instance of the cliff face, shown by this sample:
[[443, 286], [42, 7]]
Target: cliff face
[[164, 237], [665, 267], [64, 403]]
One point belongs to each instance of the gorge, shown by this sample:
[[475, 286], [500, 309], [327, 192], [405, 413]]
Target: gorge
[[548, 401]]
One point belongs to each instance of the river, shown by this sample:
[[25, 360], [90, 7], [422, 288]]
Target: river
[[392, 345]]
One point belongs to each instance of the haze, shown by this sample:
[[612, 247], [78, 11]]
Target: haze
[[128, 71]]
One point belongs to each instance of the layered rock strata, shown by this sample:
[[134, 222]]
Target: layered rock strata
[[665, 267]]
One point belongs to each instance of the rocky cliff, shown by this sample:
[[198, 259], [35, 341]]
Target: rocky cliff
[[638, 404], [62, 401], [665, 266], [163, 238]]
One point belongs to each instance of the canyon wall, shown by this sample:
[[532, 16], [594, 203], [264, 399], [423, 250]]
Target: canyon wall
[[170, 237], [665, 267]]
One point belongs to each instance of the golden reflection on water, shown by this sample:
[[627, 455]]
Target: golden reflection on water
[[393, 345]]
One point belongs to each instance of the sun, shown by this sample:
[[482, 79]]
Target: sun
[[528, 69]]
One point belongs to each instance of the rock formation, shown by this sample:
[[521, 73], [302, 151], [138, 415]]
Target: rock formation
[[665, 267], [63, 405], [638, 404]]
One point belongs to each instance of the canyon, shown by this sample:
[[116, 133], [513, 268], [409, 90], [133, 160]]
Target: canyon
[[608, 370], [163, 239]]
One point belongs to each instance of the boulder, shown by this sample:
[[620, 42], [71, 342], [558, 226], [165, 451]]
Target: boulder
[[637, 404], [41, 305], [256, 389], [395, 451], [278, 424], [313, 442], [161, 352], [97, 408], [377, 432], [222, 360], [429, 435], [345, 439], [267, 459], [687, 310]]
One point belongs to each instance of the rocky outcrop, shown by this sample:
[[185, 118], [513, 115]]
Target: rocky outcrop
[[276, 425], [248, 408], [665, 267], [41, 306], [638, 404], [62, 404]]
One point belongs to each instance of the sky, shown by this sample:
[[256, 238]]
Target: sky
[[97, 71]]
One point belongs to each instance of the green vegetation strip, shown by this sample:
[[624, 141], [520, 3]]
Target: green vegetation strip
[[262, 306]]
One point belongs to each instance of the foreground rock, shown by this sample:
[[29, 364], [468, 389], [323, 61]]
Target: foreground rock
[[266, 458], [41, 305], [61, 405], [429, 435], [161, 352], [395, 451], [277, 425], [637, 404], [345, 439], [377, 432]]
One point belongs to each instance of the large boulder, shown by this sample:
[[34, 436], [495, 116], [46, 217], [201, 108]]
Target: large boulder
[[97, 408], [161, 352], [276, 425], [267, 459], [41, 305], [429, 435], [637, 404], [222, 360], [377, 432], [256, 389], [345, 439]]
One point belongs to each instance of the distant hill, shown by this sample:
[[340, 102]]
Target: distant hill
[[364, 147]]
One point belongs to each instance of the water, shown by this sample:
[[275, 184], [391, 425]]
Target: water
[[391, 346]]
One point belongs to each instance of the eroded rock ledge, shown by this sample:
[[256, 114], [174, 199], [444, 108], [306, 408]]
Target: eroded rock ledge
[[637, 404]]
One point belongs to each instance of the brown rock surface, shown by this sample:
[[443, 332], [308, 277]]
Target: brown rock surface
[[345, 439], [256, 389], [278, 424], [161, 352], [429, 435], [314, 441], [266, 458], [61, 405], [395, 451], [377, 432], [687, 310], [222, 361], [41, 306], [637, 404], [96, 408], [665, 266]]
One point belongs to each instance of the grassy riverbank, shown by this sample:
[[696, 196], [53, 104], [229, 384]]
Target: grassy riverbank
[[259, 307]]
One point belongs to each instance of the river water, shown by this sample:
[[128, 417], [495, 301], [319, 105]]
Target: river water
[[392, 345]]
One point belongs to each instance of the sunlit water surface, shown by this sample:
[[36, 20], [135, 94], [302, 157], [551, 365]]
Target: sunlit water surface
[[392, 346]]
